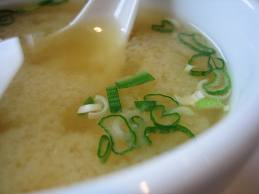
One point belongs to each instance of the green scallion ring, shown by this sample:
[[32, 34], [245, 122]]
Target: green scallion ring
[[191, 40], [184, 130], [176, 117], [104, 148], [149, 130], [204, 72], [145, 105], [220, 84], [166, 26], [131, 134], [136, 121], [216, 62], [172, 128], [150, 97]]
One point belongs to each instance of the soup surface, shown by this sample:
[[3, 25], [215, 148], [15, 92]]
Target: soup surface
[[44, 143]]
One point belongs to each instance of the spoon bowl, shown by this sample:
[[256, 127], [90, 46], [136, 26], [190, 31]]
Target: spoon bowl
[[121, 12]]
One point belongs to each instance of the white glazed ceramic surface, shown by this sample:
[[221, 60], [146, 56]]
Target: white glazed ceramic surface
[[121, 11], [205, 164]]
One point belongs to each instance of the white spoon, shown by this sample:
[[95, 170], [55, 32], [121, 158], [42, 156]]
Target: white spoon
[[122, 12]]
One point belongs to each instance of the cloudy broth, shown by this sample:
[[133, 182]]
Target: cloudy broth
[[44, 143]]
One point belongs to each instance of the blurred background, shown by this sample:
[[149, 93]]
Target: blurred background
[[247, 180]]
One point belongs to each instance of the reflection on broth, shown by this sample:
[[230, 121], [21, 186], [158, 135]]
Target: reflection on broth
[[81, 50], [44, 143]]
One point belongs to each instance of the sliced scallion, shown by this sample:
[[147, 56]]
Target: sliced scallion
[[166, 26], [113, 99], [173, 128], [161, 99], [148, 131], [104, 148], [164, 120], [209, 103], [95, 108], [136, 121], [122, 136], [202, 60], [219, 85], [138, 125], [184, 130], [134, 80], [182, 110], [216, 62], [87, 108], [194, 42], [102, 101], [145, 105]]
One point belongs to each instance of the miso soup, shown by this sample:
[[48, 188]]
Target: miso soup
[[84, 105]]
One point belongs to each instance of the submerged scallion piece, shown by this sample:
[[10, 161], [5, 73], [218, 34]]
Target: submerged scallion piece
[[134, 80], [145, 105], [172, 128], [166, 26], [219, 85], [209, 103], [6, 17], [204, 67], [164, 120], [195, 42], [104, 148], [122, 136], [136, 121], [138, 125], [113, 99], [184, 130], [161, 99], [216, 62], [182, 110]]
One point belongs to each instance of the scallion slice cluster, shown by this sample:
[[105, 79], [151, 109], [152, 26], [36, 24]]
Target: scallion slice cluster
[[216, 82], [210, 65], [162, 113], [123, 134]]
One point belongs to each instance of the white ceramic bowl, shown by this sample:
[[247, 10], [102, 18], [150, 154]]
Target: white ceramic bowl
[[207, 163]]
